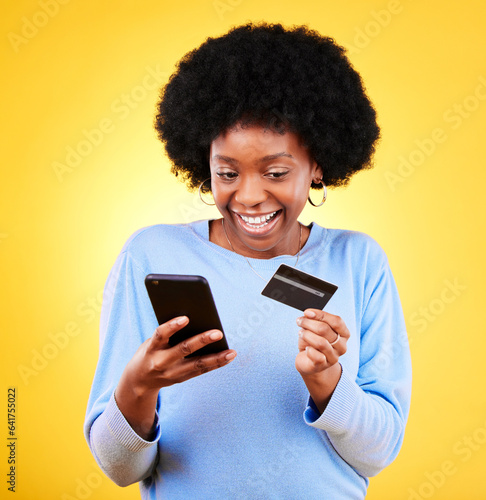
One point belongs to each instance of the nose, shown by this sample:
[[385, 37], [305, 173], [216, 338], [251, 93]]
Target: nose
[[250, 191]]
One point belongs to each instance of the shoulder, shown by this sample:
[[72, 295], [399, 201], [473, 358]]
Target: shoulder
[[350, 240], [161, 235], [356, 246], [355, 239]]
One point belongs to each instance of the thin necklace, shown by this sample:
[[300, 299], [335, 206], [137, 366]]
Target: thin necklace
[[251, 267]]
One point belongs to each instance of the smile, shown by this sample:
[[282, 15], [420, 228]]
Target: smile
[[261, 221], [258, 225]]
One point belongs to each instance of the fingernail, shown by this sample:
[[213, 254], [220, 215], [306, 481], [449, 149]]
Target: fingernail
[[301, 333], [230, 356], [216, 335], [181, 320], [299, 321], [310, 314]]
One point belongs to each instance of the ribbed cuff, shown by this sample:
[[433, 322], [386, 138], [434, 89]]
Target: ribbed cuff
[[338, 410], [122, 431]]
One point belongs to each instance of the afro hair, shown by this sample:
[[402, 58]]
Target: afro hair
[[283, 79]]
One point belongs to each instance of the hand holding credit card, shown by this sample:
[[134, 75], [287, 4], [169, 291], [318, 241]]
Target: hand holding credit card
[[298, 289]]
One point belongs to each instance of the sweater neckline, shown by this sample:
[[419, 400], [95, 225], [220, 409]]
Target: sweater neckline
[[317, 238]]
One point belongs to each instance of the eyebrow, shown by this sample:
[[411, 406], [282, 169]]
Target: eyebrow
[[266, 158]]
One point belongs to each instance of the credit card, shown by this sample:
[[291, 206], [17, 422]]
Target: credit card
[[298, 289]]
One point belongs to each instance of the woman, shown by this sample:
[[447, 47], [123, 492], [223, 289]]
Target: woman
[[314, 404]]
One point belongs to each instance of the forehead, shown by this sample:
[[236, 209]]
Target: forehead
[[256, 139]]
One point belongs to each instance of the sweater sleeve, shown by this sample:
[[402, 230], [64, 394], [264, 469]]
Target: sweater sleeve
[[365, 417], [125, 323]]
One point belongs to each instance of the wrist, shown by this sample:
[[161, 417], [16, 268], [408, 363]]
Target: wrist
[[131, 387], [138, 406], [323, 377], [321, 385]]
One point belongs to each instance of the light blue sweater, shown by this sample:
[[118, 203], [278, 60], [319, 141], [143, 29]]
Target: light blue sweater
[[249, 430]]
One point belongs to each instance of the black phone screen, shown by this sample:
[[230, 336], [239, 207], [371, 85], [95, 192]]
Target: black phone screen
[[175, 295]]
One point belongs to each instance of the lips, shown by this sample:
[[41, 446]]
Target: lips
[[258, 224]]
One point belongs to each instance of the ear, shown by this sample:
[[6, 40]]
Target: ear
[[317, 173]]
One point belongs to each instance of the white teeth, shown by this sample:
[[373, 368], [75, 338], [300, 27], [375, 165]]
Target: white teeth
[[258, 220]]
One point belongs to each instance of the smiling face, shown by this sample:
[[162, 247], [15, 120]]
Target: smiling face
[[260, 181]]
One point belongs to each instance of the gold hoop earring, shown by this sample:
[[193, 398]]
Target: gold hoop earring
[[323, 198], [200, 193]]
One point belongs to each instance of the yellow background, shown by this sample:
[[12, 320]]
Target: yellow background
[[67, 72]]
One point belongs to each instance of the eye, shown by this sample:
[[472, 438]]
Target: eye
[[227, 176], [277, 175]]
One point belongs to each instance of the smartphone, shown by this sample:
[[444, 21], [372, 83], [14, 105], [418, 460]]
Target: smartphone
[[175, 295]]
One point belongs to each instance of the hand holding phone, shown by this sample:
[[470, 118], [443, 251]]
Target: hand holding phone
[[174, 295], [156, 364]]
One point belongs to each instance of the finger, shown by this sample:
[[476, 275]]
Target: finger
[[335, 322], [319, 344], [192, 367], [318, 358], [193, 344], [302, 344], [318, 327], [329, 337], [339, 347], [160, 338], [204, 364]]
